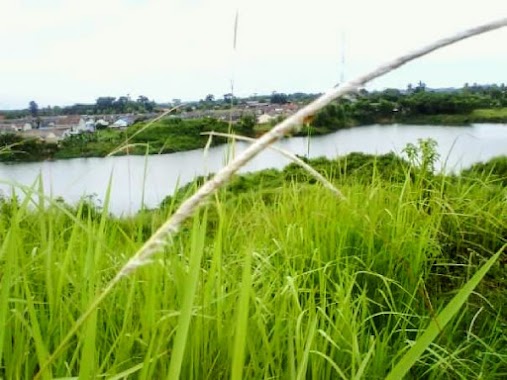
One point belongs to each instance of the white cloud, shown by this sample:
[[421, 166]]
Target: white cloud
[[70, 51]]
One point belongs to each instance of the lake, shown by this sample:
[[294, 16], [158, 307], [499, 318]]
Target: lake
[[138, 179]]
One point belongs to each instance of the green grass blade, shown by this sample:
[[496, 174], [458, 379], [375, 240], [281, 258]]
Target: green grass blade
[[434, 329], [191, 281], [301, 373], [242, 321], [364, 363], [40, 348]]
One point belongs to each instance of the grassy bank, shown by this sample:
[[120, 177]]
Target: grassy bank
[[175, 135], [276, 278], [165, 136], [488, 115]]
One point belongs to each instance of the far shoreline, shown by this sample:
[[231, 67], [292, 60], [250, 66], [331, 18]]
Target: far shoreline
[[432, 121]]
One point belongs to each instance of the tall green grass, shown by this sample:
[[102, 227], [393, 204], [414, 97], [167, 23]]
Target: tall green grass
[[276, 281]]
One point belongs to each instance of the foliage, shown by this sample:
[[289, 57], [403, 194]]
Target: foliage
[[34, 109], [358, 168], [165, 136], [279, 98], [246, 125], [173, 134], [493, 170], [416, 105], [492, 115], [122, 104], [416, 101], [14, 147], [292, 282], [423, 156], [331, 117]]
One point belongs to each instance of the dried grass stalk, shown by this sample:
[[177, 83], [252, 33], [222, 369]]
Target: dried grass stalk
[[165, 233], [319, 177]]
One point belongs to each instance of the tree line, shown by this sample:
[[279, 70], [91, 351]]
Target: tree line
[[366, 107], [405, 105], [104, 105]]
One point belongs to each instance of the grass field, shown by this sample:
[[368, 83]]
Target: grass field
[[490, 113], [272, 279]]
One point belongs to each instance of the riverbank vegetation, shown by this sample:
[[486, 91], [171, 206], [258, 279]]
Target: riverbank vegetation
[[104, 105], [293, 283], [417, 105], [165, 136]]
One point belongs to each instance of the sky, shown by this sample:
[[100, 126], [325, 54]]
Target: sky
[[60, 52]]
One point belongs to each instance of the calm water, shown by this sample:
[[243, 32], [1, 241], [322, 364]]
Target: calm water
[[137, 179]]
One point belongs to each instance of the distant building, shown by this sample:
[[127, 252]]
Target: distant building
[[90, 125], [51, 138], [101, 123], [67, 121], [123, 122], [81, 126], [120, 123], [264, 118], [255, 104]]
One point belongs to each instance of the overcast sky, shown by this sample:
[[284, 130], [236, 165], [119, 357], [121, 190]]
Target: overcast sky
[[59, 52]]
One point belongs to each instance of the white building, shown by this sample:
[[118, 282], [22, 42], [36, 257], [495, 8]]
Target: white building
[[264, 118]]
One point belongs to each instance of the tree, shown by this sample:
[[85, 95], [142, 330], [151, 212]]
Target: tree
[[421, 87], [230, 99], [209, 98], [34, 108], [391, 94], [104, 104], [142, 99], [385, 108], [246, 125], [277, 98], [121, 104], [363, 92], [148, 104], [332, 117]]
